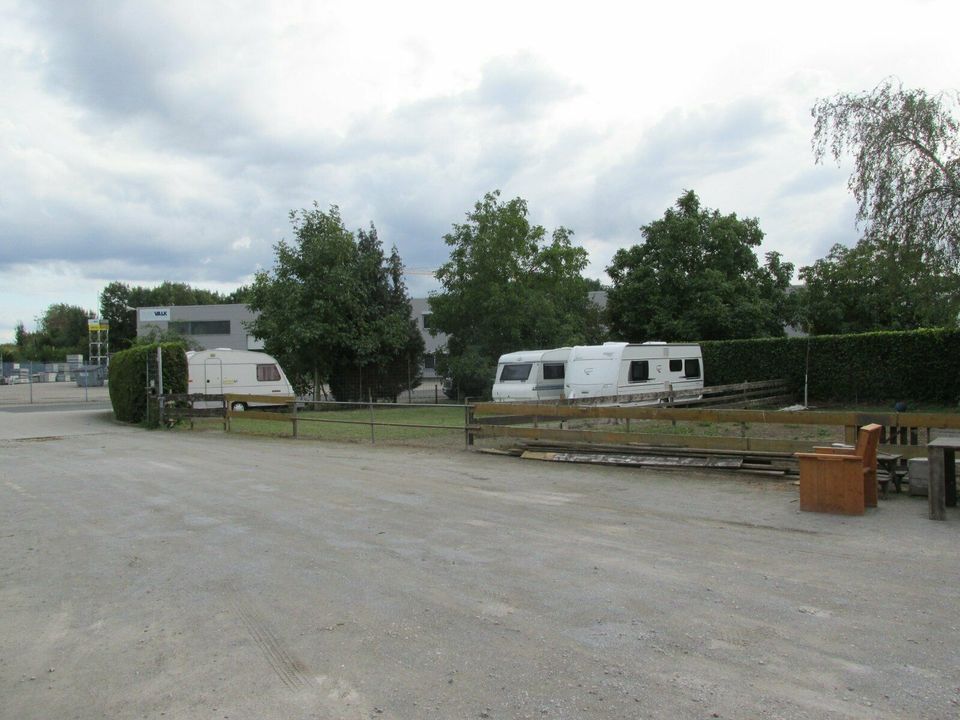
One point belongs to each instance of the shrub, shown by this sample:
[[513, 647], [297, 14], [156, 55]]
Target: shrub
[[916, 366], [131, 373]]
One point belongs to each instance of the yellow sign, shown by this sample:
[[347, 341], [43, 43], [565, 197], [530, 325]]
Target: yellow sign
[[95, 325]]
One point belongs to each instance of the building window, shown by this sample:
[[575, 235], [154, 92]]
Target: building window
[[427, 320], [517, 372], [639, 371], [691, 368], [430, 361], [676, 365], [268, 373], [201, 327], [553, 371]]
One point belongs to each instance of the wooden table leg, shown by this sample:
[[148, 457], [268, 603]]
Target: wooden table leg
[[950, 477], [936, 494]]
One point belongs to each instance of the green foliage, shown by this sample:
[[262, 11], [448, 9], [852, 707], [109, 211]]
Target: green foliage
[[61, 331], [506, 287], [334, 309], [131, 372], [879, 285], [906, 153], [914, 366], [155, 335], [696, 276], [10, 352], [471, 374]]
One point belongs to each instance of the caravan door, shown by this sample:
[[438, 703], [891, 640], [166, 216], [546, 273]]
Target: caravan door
[[213, 376]]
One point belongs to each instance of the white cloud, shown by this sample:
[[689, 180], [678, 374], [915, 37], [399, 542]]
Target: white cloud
[[146, 141]]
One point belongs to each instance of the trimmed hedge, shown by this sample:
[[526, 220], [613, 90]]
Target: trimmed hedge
[[129, 379], [912, 366]]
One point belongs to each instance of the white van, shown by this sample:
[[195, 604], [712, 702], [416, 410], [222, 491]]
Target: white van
[[237, 372], [531, 375], [617, 369]]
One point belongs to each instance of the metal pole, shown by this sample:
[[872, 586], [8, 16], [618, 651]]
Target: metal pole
[[30, 380], [372, 440], [159, 384]]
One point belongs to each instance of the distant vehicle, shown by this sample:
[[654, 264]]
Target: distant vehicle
[[617, 369], [237, 372], [530, 375]]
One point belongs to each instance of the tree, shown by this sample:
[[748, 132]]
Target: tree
[[115, 298], [333, 310], [906, 152], [879, 285], [387, 349], [62, 330], [696, 276], [506, 288]]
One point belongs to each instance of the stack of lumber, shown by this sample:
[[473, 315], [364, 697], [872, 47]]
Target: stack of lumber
[[655, 456]]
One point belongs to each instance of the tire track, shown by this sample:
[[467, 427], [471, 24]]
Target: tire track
[[290, 669]]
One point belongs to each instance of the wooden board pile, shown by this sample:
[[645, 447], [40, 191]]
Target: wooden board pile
[[768, 463]]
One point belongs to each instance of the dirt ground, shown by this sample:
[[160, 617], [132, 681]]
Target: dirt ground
[[202, 575]]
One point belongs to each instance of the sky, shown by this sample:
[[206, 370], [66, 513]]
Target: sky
[[149, 141]]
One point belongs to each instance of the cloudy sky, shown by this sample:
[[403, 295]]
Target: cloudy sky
[[149, 141]]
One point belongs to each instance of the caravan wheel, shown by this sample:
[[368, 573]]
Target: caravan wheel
[[238, 407]]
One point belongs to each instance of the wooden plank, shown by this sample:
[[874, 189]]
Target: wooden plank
[[779, 417], [634, 460], [268, 399], [665, 441]]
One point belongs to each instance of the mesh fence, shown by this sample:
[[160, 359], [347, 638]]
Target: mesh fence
[[38, 382]]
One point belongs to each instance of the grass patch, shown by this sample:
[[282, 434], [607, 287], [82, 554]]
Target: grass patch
[[439, 424]]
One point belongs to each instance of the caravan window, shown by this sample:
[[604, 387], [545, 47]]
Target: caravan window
[[515, 371], [676, 365], [267, 373], [639, 371], [553, 371], [691, 368]]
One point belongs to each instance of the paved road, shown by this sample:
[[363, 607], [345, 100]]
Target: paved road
[[201, 575]]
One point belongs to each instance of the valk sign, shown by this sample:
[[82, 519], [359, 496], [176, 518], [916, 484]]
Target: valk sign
[[154, 314]]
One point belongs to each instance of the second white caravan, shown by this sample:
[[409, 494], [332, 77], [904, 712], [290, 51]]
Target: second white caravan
[[237, 372], [530, 375], [617, 370]]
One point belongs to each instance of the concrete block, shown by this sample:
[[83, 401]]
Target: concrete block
[[918, 475]]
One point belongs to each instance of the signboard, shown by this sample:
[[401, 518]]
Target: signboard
[[94, 325], [154, 314]]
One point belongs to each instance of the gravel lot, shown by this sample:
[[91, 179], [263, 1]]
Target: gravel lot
[[202, 575]]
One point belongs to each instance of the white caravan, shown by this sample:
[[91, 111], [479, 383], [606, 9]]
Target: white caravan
[[237, 372], [617, 369], [530, 375]]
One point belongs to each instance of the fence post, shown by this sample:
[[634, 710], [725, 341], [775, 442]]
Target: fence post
[[467, 422], [372, 437], [296, 424]]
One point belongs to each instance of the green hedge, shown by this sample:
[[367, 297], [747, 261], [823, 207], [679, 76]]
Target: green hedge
[[132, 371], [914, 366]]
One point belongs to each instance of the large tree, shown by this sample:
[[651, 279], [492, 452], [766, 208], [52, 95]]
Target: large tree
[[506, 287], [879, 285], [696, 276], [387, 350], [61, 331], [334, 310], [906, 152]]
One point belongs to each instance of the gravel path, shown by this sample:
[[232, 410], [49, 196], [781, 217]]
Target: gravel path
[[202, 575]]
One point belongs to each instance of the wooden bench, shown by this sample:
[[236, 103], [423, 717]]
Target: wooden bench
[[841, 480]]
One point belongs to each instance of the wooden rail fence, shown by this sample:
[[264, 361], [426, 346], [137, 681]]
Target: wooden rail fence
[[905, 434]]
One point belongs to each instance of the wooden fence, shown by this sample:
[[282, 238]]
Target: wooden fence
[[904, 434]]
